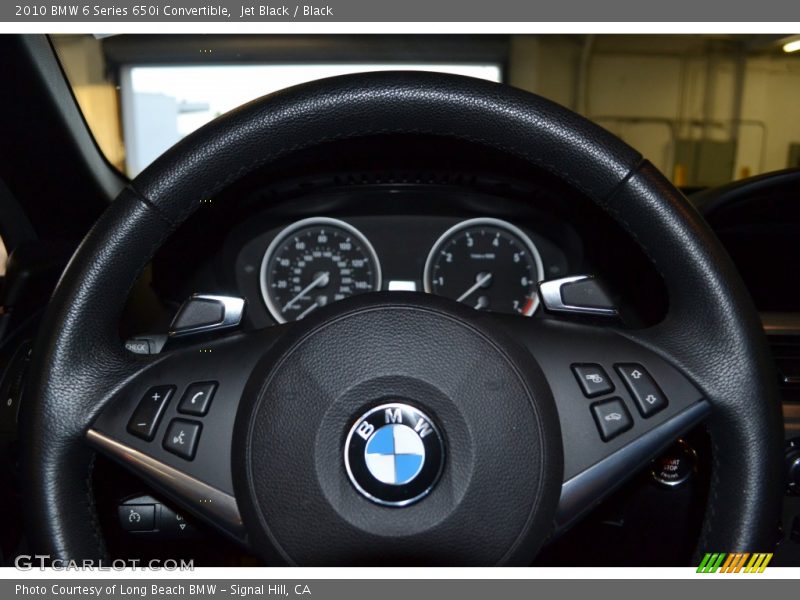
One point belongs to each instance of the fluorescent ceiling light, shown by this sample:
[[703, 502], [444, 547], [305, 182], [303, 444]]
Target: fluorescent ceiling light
[[792, 46]]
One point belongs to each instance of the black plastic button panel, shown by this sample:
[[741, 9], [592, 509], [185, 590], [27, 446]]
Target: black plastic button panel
[[147, 515], [648, 397], [593, 380], [174, 525], [137, 517], [145, 419], [182, 437], [146, 344], [612, 418], [138, 346], [197, 398]]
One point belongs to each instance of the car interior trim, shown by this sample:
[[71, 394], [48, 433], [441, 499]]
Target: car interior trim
[[206, 502], [553, 301], [781, 323], [42, 54], [232, 314], [586, 489]]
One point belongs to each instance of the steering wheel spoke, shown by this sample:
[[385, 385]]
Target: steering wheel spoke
[[172, 423], [619, 405]]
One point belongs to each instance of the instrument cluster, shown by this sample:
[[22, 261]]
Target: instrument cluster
[[486, 263]]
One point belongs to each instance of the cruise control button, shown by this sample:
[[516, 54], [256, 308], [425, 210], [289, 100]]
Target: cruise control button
[[646, 394], [175, 525], [137, 517], [182, 437], [197, 398], [593, 380], [612, 418], [148, 413]]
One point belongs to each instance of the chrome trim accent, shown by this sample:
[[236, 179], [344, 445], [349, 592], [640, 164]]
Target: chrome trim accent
[[791, 417], [781, 323], [550, 292], [583, 491], [274, 310], [492, 222], [232, 313], [208, 503]]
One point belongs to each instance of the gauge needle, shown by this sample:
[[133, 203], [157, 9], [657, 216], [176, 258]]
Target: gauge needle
[[321, 279], [483, 280], [308, 310]]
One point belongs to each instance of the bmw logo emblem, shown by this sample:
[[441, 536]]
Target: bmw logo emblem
[[394, 454]]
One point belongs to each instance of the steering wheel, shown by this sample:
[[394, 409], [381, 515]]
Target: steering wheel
[[500, 450]]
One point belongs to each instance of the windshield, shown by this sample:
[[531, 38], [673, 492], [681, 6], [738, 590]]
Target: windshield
[[161, 104], [706, 110]]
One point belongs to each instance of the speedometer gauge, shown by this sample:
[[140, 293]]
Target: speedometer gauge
[[487, 264], [315, 262]]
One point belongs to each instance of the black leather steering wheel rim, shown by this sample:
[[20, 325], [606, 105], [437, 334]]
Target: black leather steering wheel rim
[[711, 331]]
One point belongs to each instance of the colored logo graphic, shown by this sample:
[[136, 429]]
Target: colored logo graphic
[[739, 562], [395, 454]]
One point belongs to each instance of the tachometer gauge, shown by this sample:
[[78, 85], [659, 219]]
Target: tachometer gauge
[[314, 262], [487, 264]]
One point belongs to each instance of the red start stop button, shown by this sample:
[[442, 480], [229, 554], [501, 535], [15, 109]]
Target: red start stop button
[[676, 466]]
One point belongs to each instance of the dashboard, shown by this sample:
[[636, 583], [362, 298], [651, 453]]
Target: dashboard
[[419, 217]]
